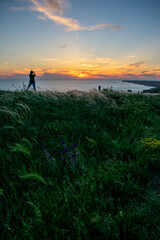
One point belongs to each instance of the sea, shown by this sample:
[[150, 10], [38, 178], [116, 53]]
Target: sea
[[73, 84]]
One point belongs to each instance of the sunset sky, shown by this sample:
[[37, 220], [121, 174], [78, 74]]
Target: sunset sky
[[62, 39]]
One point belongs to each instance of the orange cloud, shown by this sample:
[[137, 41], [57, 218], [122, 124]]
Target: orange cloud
[[157, 69], [49, 74], [89, 66], [96, 62]]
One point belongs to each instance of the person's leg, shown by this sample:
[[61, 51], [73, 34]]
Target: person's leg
[[28, 86], [34, 86]]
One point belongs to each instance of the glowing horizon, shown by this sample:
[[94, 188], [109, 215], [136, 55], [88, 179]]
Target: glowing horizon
[[63, 38]]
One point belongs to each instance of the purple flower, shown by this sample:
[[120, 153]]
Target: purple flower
[[73, 155], [65, 150], [74, 145], [50, 156], [63, 142], [60, 152]]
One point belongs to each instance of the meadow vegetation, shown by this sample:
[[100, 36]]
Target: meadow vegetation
[[79, 166]]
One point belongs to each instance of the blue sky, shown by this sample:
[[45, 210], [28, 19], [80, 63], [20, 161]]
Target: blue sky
[[84, 39]]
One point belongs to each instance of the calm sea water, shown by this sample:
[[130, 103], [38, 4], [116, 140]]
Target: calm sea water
[[66, 85]]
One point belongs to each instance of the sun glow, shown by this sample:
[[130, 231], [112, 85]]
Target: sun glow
[[85, 67]]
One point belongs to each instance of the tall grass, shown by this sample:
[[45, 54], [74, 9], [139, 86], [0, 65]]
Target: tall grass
[[79, 165]]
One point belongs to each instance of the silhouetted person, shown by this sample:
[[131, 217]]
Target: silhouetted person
[[99, 88], [32, 76]]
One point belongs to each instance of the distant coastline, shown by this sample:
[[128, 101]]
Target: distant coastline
[[154, 84]]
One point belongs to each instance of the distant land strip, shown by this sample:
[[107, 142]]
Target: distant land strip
[[155, 84]]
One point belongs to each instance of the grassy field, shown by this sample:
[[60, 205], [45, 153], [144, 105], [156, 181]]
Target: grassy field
[[79, 166]]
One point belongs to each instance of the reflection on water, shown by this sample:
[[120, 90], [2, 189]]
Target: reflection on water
[[65, 85]]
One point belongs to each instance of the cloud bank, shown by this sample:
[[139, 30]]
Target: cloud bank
[[136, 65], [49, 74], [53, 10]]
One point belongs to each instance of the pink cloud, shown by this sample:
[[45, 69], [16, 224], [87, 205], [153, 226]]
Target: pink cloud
[[49, 7], [103, 26]]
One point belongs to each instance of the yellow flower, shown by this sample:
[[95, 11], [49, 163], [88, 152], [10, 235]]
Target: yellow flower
[[151, 143]]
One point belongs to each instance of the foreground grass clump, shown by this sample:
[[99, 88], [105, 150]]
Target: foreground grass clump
[[79, 166]]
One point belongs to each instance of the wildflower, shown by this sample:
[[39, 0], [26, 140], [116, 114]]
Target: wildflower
[[70, 157], [151, 143], [65, 150], [74, 145], [49, 158]]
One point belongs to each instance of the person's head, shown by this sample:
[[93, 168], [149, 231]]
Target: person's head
[[31, 72]]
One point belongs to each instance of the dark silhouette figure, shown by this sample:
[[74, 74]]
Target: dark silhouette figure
[[99, 88], [32, 76]]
